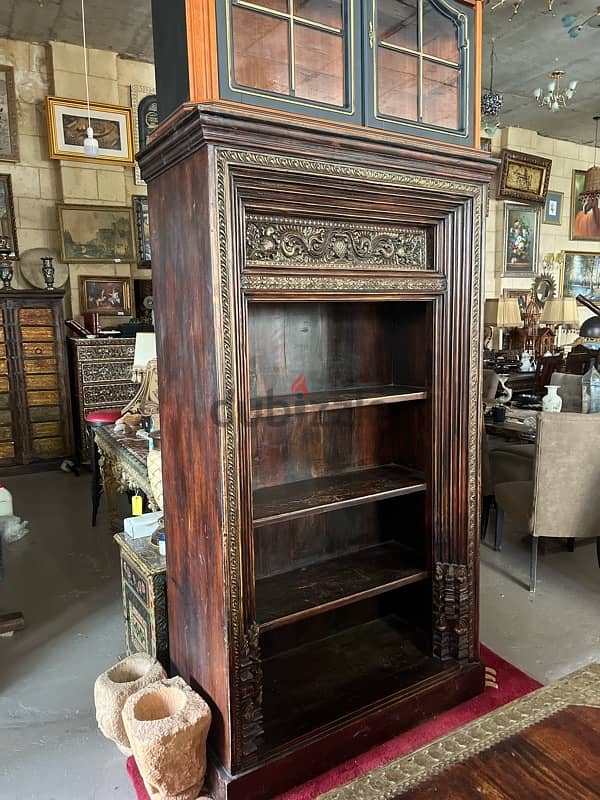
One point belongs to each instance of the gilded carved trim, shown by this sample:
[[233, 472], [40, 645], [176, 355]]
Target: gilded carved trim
[[324, 283], [247, 728], [293, 242], [405, 773], [451, 611]]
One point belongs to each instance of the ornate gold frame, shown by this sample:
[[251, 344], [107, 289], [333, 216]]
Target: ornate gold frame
[[527, 163], [126, 305], [13, 153], [80, 105]]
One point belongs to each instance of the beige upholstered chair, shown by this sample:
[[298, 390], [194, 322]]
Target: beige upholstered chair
[[562, 500], [502, 462], [569, 390]]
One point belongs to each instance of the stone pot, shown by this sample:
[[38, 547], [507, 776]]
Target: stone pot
[[167, 725], [114, 686]]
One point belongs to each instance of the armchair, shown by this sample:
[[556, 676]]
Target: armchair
[[561, 500]]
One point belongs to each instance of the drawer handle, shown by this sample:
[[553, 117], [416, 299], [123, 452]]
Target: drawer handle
[[38, 350]]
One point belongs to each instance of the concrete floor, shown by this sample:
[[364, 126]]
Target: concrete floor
[[64, 577]]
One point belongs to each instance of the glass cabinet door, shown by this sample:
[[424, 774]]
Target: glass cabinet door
[[420, 68], [298, 55]]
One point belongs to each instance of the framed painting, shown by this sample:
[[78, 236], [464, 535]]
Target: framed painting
[[68, 123], [8, 228], [581, 275], [585, 216], [145, 119], [9, 143], [521, 238], [110, 296], [95, 234], [142, 228], [521, 296], [553, 208], [523, 177]]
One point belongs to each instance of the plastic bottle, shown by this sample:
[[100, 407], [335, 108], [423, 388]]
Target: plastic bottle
[[6, 503]]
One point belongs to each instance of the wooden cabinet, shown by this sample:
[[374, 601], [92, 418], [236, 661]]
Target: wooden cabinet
[[411, 66], [319, 357], [100, 378], [35, 427]]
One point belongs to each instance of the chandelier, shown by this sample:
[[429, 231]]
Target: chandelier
[[491, 102], [516, 7], [574, 30], [555, 98]]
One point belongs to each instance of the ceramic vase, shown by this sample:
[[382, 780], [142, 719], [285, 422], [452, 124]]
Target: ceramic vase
[[506, 393], [115, 686], [552, 401], [167, 725]]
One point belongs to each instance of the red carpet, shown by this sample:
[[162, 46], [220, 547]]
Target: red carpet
[[512, 683]]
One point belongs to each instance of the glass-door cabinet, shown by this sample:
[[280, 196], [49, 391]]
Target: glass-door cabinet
[[403, 65]]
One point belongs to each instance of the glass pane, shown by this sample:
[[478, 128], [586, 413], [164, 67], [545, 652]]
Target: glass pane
[[275, 5], [327, 12], [260, 51], [441, 95], [397, 22], [440, 34], [396, 84], [319, 65]]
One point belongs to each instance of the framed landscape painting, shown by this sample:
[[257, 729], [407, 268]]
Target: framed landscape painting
[[108, 296], [585, 216], [67, 127], [521, 236], [96, 233], [581, 275]]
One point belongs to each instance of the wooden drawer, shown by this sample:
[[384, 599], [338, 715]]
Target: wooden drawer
[[41, 381], [32, 334], [7, 450], [2, 334], [3, 365], [42, 398], [5, 417], [40, 366], [44, 429], [35, 316], [54, 446], [41, 349], [4, 401], [4, 387], [44, 413], [6, 433]]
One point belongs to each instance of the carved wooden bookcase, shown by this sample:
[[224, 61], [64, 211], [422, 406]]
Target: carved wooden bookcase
[[318, 325]]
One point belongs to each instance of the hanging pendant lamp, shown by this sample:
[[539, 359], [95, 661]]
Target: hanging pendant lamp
[[90, 144], [491, 101], [591, 184]]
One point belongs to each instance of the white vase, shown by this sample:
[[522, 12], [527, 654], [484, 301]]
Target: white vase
[[552, 401], [506, 394]]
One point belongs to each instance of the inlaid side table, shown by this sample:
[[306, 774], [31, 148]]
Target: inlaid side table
[[143, 579]]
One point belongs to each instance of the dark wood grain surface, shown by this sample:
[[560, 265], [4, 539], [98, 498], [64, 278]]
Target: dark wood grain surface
[[557, 759], [334, 399]]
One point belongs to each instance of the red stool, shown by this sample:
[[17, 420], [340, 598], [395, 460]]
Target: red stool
[[104, 416]]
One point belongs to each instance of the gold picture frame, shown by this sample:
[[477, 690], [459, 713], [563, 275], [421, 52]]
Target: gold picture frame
[[523, 177], [96, 234], [9, 140], [583, 224], [108, 295], [67, 125]]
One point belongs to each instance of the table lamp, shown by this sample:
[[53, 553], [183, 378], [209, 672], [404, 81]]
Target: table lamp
[[145, 351], [502, 312], [560, 311]]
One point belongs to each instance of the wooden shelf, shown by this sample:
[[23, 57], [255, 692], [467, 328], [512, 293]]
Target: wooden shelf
[[334, 400], [333, 583], [317, 495], [323, 680]]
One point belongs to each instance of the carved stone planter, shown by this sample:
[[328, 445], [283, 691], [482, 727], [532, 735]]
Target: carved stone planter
[[167, 724], [114, 686]]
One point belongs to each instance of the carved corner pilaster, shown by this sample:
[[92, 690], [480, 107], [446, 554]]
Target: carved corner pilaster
[[251, 694], [452, 613]]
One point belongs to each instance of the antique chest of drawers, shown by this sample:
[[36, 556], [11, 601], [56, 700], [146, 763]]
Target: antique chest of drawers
[[101, 378], [143, 577], [35, 411]]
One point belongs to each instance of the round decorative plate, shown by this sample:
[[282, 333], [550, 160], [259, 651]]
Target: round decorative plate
[[31, 267]]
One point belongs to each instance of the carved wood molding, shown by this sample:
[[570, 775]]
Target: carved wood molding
[[433, 285], [452, 615], [289, 242], [251, 693]]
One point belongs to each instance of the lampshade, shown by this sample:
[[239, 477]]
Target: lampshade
[[502, 312], [561, 311], [145, 349]]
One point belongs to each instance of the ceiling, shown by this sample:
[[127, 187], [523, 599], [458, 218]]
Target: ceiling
[[527, 48]]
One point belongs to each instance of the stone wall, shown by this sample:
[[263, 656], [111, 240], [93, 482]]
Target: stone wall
[[40, 183]]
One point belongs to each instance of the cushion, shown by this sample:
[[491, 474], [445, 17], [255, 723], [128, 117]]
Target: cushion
[[103, 416]]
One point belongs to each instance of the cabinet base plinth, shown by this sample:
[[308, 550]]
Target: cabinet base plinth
[[321, 751]]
